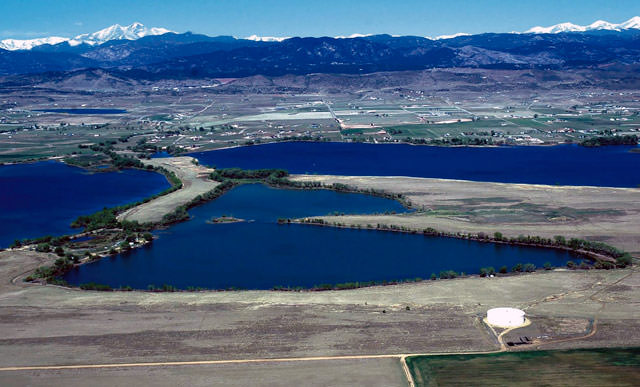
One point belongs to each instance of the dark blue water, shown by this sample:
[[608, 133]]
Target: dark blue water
[[612, 166], [261, 254], [83, 111], [161, 155], [43, 198]]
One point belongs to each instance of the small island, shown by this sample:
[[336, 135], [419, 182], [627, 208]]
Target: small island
[[225, 219]]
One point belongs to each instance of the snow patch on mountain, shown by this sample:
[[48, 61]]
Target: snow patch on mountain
[[16, 44], [599, 25], [267, 38], [115, 32]]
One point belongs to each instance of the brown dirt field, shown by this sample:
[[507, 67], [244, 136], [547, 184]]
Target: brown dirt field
[[610, 215], [370, 372], [45, 325]]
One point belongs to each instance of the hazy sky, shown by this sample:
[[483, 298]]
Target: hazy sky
[[36, 18]]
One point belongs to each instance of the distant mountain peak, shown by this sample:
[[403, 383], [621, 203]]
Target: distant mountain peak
[[267, 38], [133, 31], [599, 25]]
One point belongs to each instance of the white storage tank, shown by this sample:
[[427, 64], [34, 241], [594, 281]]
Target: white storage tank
[[505, 317]]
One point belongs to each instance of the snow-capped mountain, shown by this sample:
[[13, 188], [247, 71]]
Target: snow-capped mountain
[[257, 38], [16, 44], [600, 25], [115, 32]]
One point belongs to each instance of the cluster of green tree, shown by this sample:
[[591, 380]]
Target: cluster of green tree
[[163, 288], [463, 141], [120, 161], [143, 147], [95, 286], [244, 174], [302, 138], [283, 182], [448, 274], [347, 285], [48, 239], [449, 141], [49, 273], [622, 259], [106, 218], [85, 161], [610, 140], [180, 213]]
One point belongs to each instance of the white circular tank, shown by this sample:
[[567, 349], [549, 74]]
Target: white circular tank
[[505, 317]]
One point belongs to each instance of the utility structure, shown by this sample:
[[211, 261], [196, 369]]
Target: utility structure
[[505, 317]]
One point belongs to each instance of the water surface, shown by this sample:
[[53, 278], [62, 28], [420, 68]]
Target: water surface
[[260, 254], [43, 198], [611, 166]]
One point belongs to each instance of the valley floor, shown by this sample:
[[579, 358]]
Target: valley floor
[[51, 326], [45, 325]]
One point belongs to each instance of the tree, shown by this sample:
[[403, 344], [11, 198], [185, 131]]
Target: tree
[[503, 270], [43, 248], [624, 260]]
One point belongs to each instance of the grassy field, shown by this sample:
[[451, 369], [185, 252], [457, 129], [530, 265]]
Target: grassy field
[[592, 367]]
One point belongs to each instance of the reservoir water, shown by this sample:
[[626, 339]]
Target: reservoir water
[[43, 198], [260, 254], [611, 166]]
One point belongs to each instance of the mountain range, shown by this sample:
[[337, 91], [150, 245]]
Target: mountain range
[[115, 32], [139, 52]]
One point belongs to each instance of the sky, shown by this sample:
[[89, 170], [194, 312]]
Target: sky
[[37, 18]]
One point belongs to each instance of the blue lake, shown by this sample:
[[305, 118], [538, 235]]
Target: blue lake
[[612, 166], [83, 111], [260, 254], [43, 198]]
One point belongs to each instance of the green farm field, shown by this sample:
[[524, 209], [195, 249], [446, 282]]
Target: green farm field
[[581, 367]]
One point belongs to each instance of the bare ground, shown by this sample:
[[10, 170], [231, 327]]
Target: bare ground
[[195, 182], [610, 215], [370, 372], [46, 325]]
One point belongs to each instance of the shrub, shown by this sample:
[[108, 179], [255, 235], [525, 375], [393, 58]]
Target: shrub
[[43, 248], [624, 260]]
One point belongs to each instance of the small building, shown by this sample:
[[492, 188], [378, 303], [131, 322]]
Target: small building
[[505, 317]]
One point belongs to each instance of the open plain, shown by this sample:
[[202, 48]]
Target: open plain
[[331, 337], [52, 326], [610, 215]]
